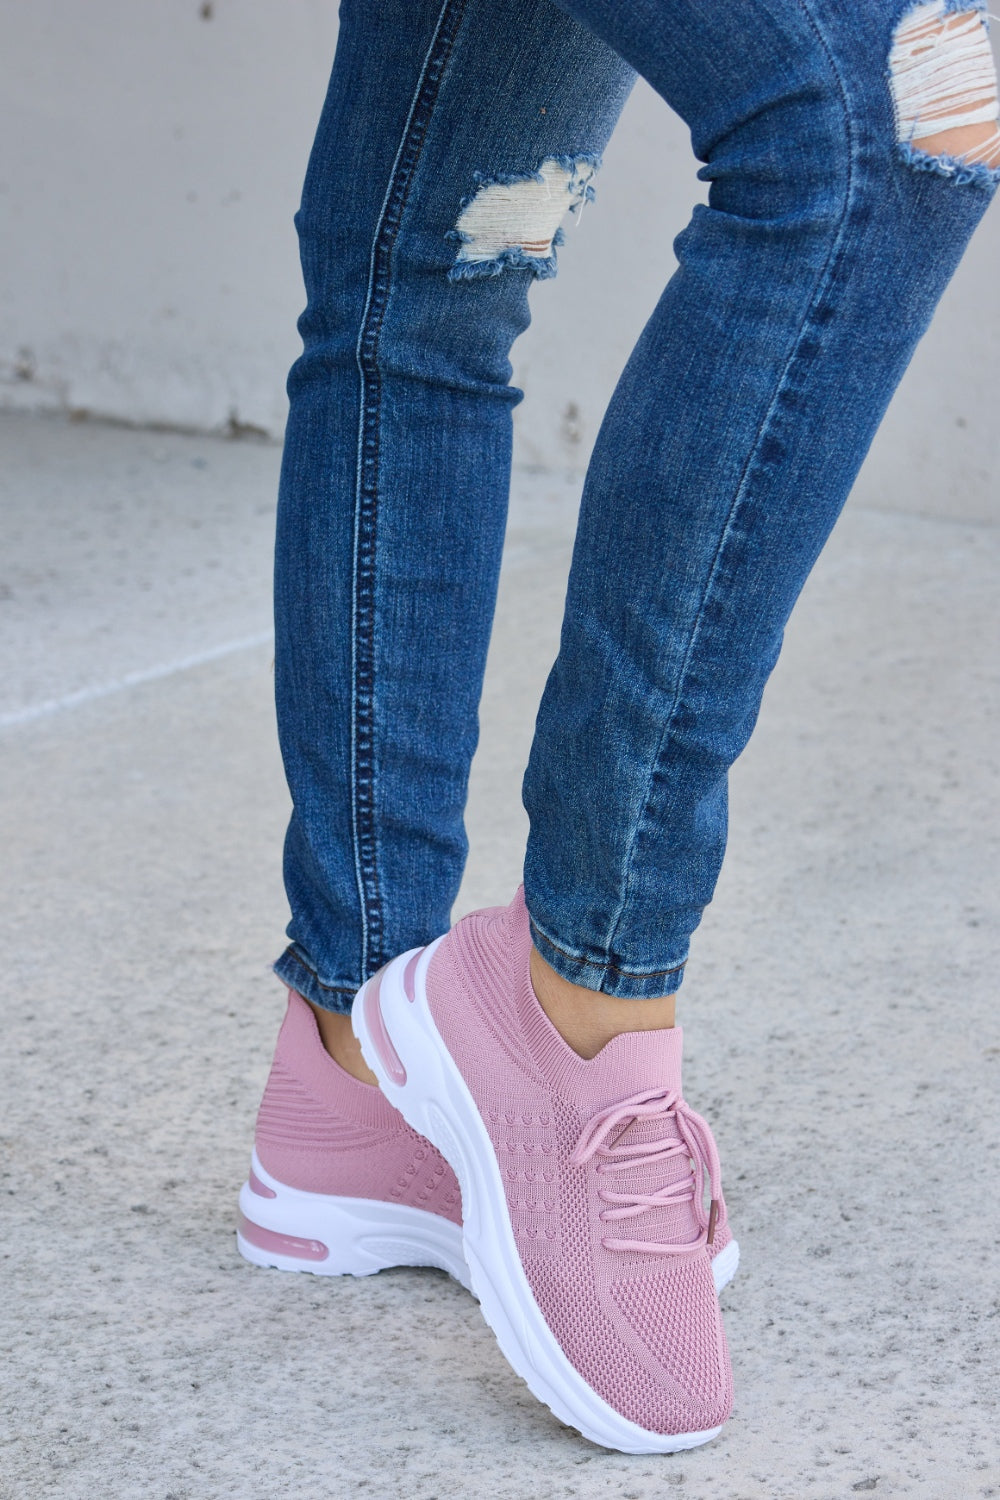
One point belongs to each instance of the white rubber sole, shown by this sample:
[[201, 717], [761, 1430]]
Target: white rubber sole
[[294, 1230], [725, 1265], [418, 1075]]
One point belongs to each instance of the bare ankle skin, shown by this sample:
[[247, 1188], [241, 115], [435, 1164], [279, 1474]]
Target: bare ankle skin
[[587, 1021], [341, 1043]]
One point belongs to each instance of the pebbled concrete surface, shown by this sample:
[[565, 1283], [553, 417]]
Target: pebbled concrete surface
[[840, 1019]]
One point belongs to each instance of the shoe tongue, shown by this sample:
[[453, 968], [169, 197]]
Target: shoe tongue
[[637, 1061], [632, 1063]]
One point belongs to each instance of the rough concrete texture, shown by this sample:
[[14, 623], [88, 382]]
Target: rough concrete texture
[[840, 1017]]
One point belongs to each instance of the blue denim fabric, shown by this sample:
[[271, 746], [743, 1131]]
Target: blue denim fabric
[[728, 449]]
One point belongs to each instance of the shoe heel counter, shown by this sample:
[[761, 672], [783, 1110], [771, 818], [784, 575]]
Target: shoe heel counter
[[290, 1113], [279, 1111]]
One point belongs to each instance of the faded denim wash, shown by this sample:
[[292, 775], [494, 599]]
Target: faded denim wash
[[725, 456]]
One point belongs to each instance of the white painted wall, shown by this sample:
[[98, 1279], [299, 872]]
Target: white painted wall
[[150, 164]]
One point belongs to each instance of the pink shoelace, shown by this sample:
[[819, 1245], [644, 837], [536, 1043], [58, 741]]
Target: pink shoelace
[[693, 1139]]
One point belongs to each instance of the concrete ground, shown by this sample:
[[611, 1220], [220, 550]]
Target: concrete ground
[[840, 1012]]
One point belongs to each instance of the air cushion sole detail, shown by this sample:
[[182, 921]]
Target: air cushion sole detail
[[358, 1236]]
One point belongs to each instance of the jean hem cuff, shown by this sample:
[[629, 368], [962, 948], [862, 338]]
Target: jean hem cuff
[[293, 970], [606, 977]]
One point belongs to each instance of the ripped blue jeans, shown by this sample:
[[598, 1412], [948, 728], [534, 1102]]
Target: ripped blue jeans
[[455, 137]]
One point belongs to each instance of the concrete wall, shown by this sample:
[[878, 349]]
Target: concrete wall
[[152, 160], [150, 163]]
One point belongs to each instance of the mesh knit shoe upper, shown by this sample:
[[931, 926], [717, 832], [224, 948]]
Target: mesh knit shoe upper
[[323, 1131], [605, 1169]]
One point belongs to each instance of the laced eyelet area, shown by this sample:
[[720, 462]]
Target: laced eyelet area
[[685, 1134]]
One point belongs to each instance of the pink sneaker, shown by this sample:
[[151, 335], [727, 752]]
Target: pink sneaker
[[320, 1130], [586, 1232], [339, 1183]]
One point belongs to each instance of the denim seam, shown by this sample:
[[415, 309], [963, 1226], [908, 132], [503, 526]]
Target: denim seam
[[366, 490], [823, 281]]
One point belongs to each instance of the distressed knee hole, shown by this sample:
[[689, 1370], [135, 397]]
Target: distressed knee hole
[[944, 92], [514, 221]]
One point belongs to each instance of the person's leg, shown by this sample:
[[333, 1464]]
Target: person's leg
[[454, 139], [724, 459], [736, 432]]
